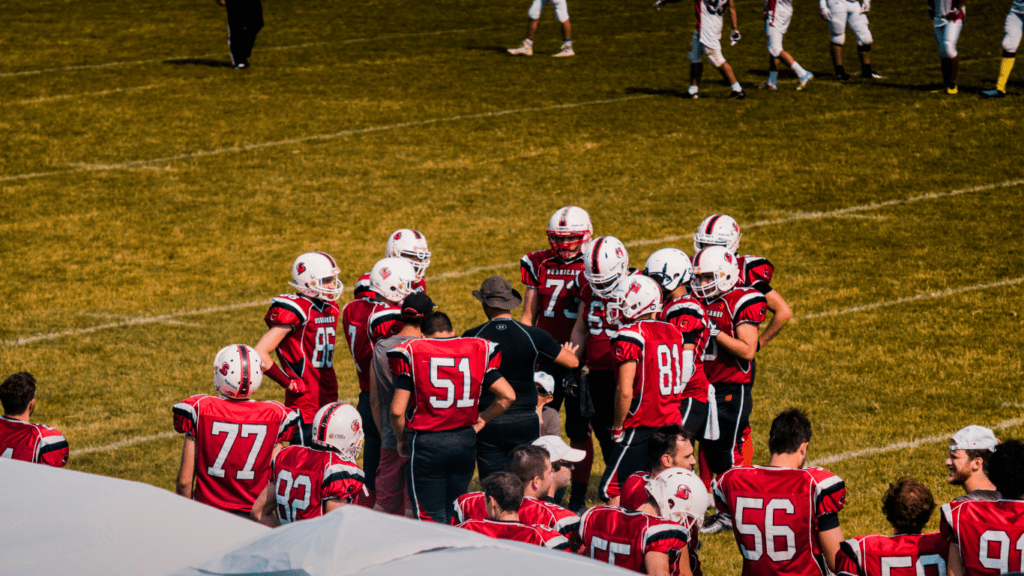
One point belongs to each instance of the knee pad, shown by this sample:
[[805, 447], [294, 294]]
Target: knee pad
[[561, 10], [1014, 27], [715, 57], [535, 9], [864, 42]]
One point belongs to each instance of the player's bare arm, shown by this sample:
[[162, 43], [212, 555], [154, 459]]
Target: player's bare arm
[[264, 509], [744, 345], [399, 404], [374, 398], [830, 541], [732, 16], [504, 396], [335, 503], [955, 564], [781, 314], [657, 564], [579, 332], [530, 306], [567, 356], [187, 471], [625, 374]]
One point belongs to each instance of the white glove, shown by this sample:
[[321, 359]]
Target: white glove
[[734, 37], [715, 330], [826, 14], [865, 6]]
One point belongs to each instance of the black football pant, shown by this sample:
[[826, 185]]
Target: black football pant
[[245, 18], [695, 418], [602, 390], [439, 471], [734, 403], [627, 457], [371, 441], [496, 440]]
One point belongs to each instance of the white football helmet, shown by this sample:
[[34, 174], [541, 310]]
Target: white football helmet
[[340, 427], [633, 297], [721, 265], [717, 230], [412, 246], [669, 267], [237, 371], [311, 271], [681, 497], [392, 278], [605, 260], [568, 229]]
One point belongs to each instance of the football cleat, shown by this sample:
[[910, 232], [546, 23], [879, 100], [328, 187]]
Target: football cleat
[[842, 76], [873, 76], [392, 278], [717, 230], [737, 95], [524, 50], [633, 297], [315, 274], [565, 52], [716, 523], [237, 371], [412, 246], [681, 497], [715, 272], [993, 94], [339, 427], [569, 228], [804, 80], [766, 85], [605, 260]]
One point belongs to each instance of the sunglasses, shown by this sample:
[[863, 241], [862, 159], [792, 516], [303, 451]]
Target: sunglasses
[[556, 466]]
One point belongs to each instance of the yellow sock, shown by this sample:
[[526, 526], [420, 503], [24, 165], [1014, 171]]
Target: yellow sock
[[1004, 73]]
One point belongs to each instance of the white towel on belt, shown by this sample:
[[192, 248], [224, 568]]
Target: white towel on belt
[[711, 431]]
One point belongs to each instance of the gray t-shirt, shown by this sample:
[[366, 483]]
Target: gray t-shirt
[[386, 387], [989, 495]]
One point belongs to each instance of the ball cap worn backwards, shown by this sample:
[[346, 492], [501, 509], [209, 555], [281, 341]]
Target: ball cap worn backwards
[[974, 438]]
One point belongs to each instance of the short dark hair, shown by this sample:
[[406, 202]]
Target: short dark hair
[[526, 462], [664, 442], [1007, 469], [790, 429], [506, 490], [985, 455], [16, 392], [436, 322], [908, 505]]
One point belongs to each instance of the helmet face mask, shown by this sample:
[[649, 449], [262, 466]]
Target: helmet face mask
[[315, 274], [412, 246], [569, 228], [339, 427], [681, 497], [718, 230], [633, 297], [670, 268], [605, 261], [237, 371], [715, 272], [392, 278]]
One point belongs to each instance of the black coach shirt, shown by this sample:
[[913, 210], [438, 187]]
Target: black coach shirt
[[522, 347]]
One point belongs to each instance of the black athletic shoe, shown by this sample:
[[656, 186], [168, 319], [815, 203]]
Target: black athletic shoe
[[691, 96], [842, 76], [737, 95]]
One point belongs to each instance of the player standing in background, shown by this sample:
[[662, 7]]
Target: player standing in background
[[907, 505], [605, 262], [785, 516], [20, 439], [245, 20], [655, 538], [707, 41], [947, 20], [439, 379], [777, 16], [364, 322], [669, 447], [1013, 29], [230, 439], [550, 303], [970, 451], [562, 14], [302, 329], [987, 537], [841, 14], [503, 496], [307, 483], [652, 369], [410, 245]]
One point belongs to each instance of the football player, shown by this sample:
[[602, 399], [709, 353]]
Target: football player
[[503, 494], [550, 302], [907, 505], [669, 447], [777, 15], [605, 262], [1013, 29], [302, 329], [308, 482], [561, 14], [365, 322], [652, 369], [947, 21], [439, 379], [230, 439], [408, 244], [655, 539], [987, 537], [785, 516], [20, 439], [841, 14], [970, 450], [707, 41]]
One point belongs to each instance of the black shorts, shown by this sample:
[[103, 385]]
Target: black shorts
[[695, 417]]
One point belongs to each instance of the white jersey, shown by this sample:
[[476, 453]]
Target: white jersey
[[942, 7]]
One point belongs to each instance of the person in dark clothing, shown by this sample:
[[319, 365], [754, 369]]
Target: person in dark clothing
[[245, 19]]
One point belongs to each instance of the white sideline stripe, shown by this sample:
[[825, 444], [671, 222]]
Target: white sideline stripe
[[321, 137], [904, 445], [84, 94]]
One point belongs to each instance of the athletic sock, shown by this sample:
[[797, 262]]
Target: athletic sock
[[528, 42], [1004, 73], [736, 87], [692, 89], [799, 70], [773, 77]]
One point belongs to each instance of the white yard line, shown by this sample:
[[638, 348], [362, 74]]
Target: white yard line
[[43, 99]]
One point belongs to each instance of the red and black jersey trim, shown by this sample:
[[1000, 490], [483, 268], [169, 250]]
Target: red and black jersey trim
[[748, 302], [846, 548], [243, 386], [828, 491], [61, 444], [356, 475], [669, 535], [186, 414], [322, 430], [677, 311]]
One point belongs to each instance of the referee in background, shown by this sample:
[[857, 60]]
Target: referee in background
[[522, 348]]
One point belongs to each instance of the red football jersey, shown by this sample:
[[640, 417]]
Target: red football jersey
[[622, 538], [599, 328], [555, 281], [365, 291], [902, 555], [32, 442], [634, 491], [777, 514], [307, 353], [366, 322], [989, 534], [735, 307], [532, 511], [657, 349], [234, 441], [688, 315], [304, 479], [754, 269], [518, 532], [448, 375]]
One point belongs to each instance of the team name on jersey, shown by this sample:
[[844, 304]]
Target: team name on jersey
[[561, 272], [716, 313], [326, 320]]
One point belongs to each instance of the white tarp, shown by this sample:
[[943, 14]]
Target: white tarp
[[357, 541], [61, 522]]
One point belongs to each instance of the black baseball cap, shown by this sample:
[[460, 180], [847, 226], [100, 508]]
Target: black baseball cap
[[417, 305]]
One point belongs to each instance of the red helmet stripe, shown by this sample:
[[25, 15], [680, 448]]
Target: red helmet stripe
[[243, 387], [597, 250], [329, 259], [711, 224], [322, 430]]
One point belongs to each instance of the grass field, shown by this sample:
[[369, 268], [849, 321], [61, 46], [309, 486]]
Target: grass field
[[154, 199]]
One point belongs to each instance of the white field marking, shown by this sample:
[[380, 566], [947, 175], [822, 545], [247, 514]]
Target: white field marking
[[84, 94], [904, 445], [322, 137], [1012, 405], [915, 298], [122, 317]]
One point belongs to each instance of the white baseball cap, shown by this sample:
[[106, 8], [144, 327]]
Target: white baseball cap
[[558, 450], [974, 438], [545, 382]]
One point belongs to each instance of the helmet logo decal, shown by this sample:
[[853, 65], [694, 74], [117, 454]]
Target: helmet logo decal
[[384, 273], [728, 258], [618, 252], [398, 235], [355, 425], [683, 492], [735, 228], [634, 287], [225, 368], [301, 268]]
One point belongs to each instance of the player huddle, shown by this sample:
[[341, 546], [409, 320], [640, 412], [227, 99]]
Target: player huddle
[[652, 362]]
